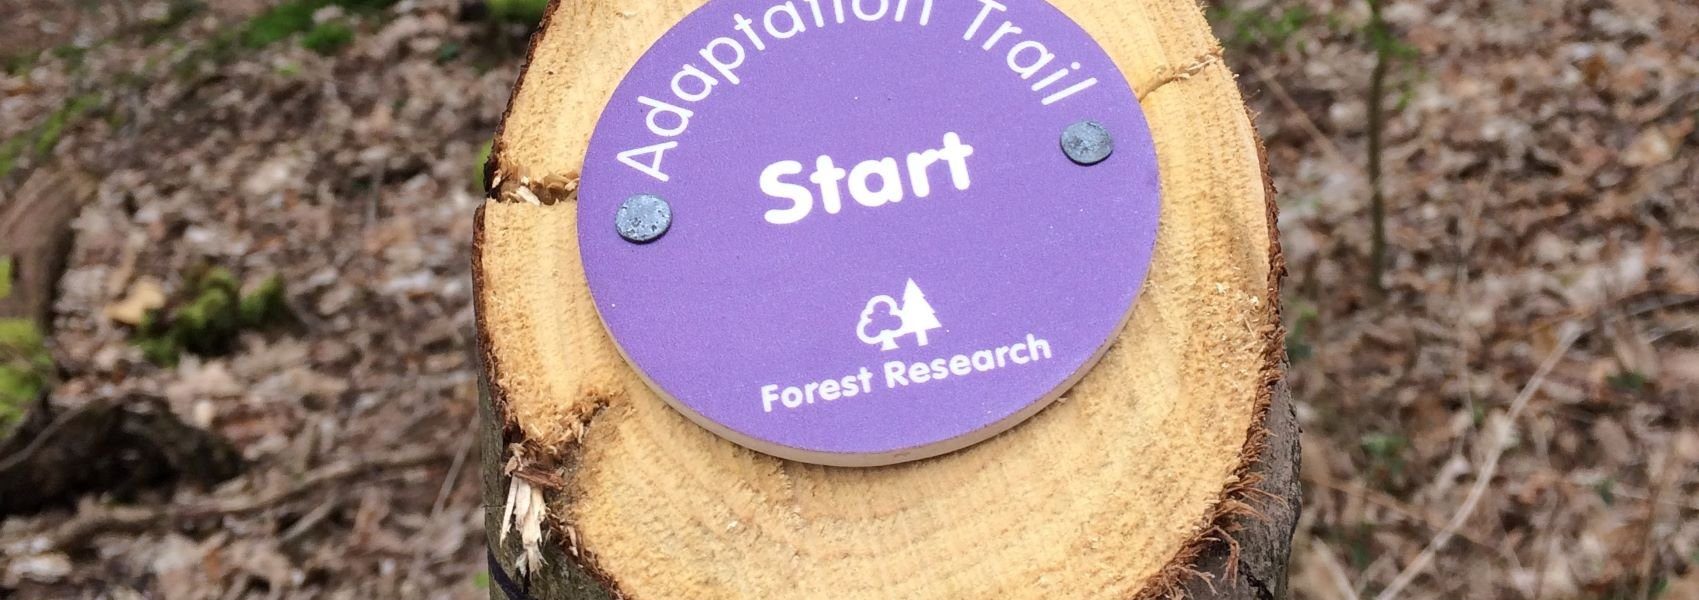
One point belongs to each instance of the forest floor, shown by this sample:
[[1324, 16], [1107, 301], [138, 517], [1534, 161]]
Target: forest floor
[[1516, 414]]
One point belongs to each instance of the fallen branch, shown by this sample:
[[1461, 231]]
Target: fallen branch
[[79, 531]]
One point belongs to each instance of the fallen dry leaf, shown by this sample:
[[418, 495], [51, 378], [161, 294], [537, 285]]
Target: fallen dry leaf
[[145, 294]]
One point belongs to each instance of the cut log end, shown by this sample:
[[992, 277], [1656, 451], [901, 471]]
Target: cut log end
[[1170, 468]]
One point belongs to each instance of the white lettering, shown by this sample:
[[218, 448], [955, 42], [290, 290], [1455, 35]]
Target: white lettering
[[897, 374], [894, 374], [827, 175], [871, 183], [984, 11], [890, 183], [657, 108], [789, 10], [653, 169], [1077, 88], [1028, 70], [884, 5], [814, 6], [1005, 29], [743, 24], [801, 200], [707, 81], [723, 66]]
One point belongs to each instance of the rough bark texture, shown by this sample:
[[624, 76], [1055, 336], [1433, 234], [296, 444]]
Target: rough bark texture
[[562, 575], [1250, 561]]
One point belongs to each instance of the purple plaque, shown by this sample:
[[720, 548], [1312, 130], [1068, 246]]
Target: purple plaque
[[881, 244]]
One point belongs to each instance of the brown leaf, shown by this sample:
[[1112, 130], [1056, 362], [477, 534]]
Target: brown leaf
[[1650, 148], [145, 294]]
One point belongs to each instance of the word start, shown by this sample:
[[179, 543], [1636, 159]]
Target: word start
[[890, 189], [668, 117]]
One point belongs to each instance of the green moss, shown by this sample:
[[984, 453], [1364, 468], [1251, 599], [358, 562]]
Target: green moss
[[10, 151], [19, 337], [328, 38], [1628, 381], [208, 320], [296, 17], [71, 54], [25, 368], [5, 277], [1385, 453], [519, 11], [1241, 28], [54, 127], [447, 52], [18, 64], [45, 136], [282, 21], [219, 278], [1606, 489], [265, 305], [479, 169], [159, 350]]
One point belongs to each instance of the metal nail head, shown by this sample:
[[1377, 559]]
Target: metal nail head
[[1087, 142], [644, 218]]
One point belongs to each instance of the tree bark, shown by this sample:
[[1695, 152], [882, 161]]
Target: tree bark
[[1249, 561]]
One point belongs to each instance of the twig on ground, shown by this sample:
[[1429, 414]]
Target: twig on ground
[[81, 529], [42, 438], [1383, 500], [1660, 482], [1483, 478], [311, 519], [1335, 571], [1624, 492], [453, 475], [1550, 550]]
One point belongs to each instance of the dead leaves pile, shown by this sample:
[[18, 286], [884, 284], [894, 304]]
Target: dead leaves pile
[[350, 177], [1542, 173]]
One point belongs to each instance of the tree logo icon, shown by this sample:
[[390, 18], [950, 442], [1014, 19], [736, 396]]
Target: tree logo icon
[[884, 321]]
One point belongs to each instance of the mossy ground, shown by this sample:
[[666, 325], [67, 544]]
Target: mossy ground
[[210, 317], [25, 369], [5, 277], [528, 11]]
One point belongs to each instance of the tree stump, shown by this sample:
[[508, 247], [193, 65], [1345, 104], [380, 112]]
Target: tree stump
[[1169, 470]]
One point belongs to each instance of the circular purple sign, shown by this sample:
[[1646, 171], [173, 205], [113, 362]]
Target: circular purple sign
[[892, 229]]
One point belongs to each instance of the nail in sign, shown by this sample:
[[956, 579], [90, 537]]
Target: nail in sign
[[879, 250]]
